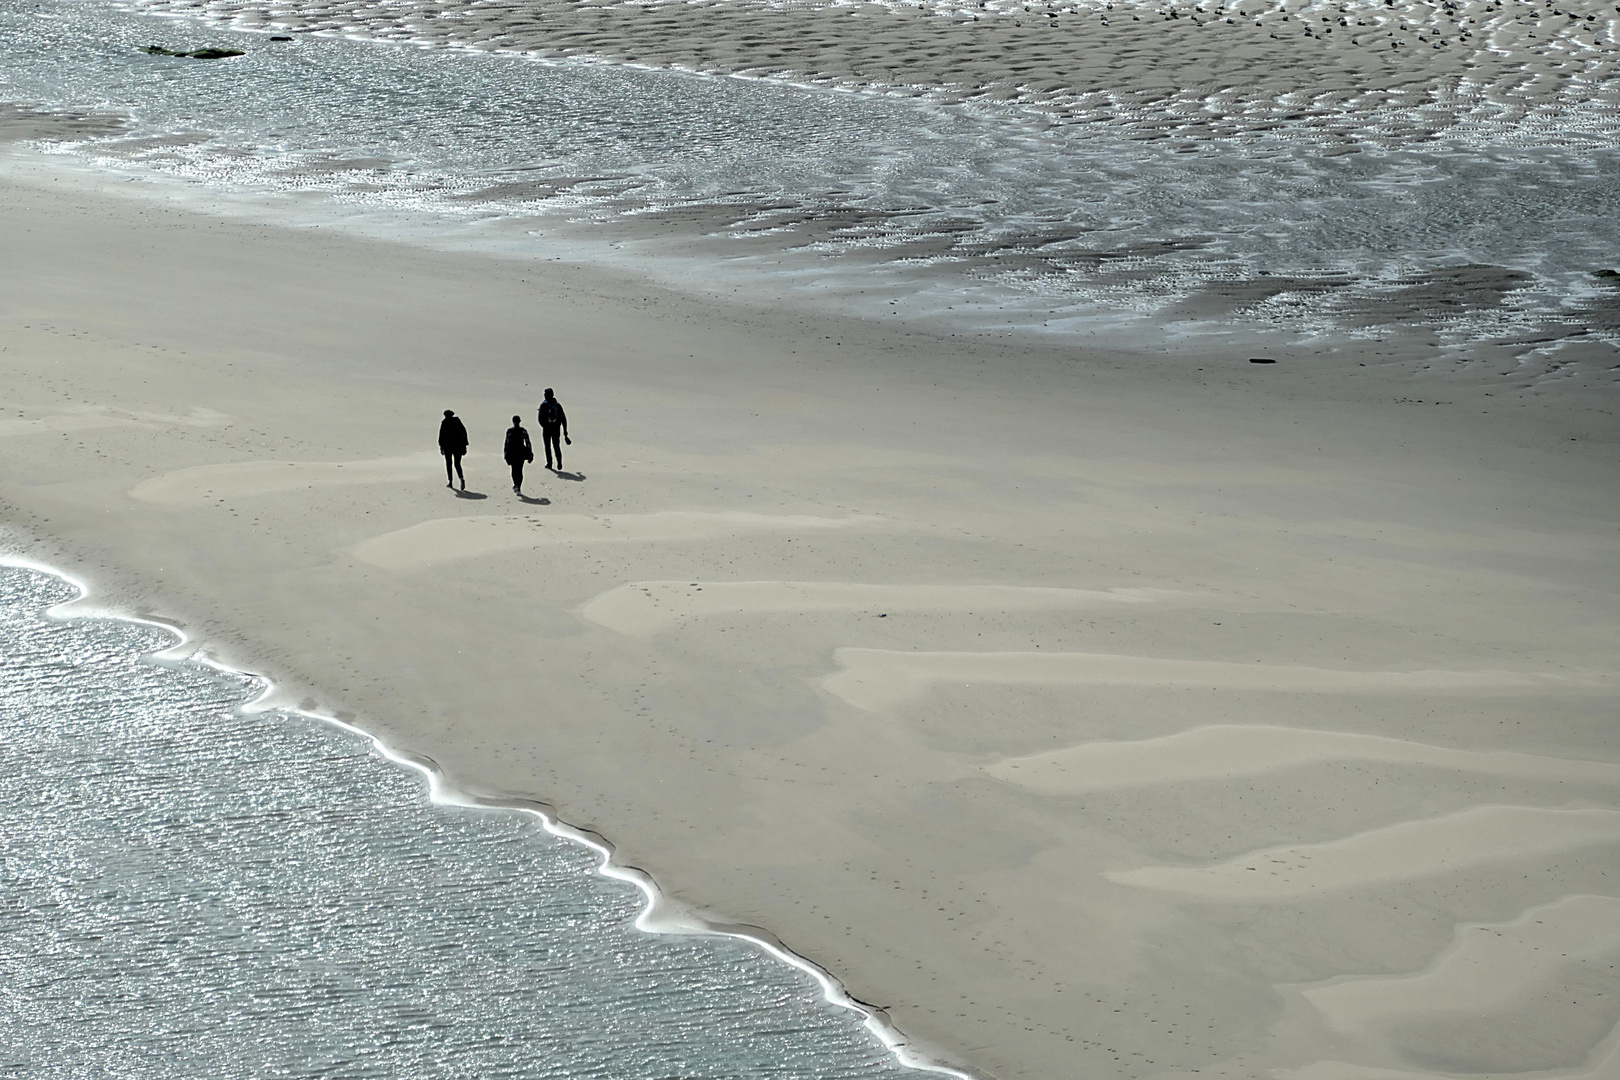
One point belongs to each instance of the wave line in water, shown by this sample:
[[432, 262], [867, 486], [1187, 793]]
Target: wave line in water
[[659, 914]]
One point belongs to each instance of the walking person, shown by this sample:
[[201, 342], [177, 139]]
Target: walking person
[[452, 444], [518, 452], [553, 422]]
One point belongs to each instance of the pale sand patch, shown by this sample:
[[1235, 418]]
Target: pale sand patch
[[1222, 750], [1607, 1067], [1488, 968], [646, 607], [1410, 849], [449, 539], [880, 679], [57, 419], [1505, 982], [203, 483]]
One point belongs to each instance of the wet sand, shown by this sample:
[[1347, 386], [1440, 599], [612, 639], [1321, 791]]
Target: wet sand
[[979, 672], [1389, 75]]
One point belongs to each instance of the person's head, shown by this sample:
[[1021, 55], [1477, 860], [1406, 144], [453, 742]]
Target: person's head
[[448, 413], [517, 421], [548, 393]]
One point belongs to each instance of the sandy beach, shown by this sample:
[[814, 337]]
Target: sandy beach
[[1093, 713]]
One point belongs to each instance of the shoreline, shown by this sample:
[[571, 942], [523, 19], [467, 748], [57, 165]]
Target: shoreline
[[1520, 360], [1390, 238], [659, 913], [1299, 518]]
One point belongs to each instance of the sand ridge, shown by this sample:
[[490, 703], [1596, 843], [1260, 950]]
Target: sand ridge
[[1555, 958], [641, 608], [1224, 750], [877, 680], [41, 420], [1475, 837], [1486, 967], [205, 483], [449, 539]]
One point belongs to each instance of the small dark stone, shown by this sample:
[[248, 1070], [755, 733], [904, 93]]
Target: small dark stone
[[1261, 360]]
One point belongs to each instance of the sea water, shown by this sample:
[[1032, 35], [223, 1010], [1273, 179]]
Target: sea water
[[188, 889], [976, 214]]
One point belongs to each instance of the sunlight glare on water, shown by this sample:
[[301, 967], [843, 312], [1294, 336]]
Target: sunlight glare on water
[[727, 183], [188, 891]]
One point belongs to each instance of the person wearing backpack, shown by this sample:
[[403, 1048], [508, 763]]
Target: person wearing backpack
[[553, 422], [452, 444], [518, 452]]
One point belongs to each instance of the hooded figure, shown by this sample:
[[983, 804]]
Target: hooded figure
[[452, 444]]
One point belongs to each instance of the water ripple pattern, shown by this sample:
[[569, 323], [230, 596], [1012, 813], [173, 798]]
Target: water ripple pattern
[[974, 213], [187, 890]]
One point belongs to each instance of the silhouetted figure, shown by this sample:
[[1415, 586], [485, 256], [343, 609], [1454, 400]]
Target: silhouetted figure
[[553, 422], [452, 444], [518, 452]]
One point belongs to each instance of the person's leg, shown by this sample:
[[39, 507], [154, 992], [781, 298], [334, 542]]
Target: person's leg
[[459, 474], [517, 476], [448, 479], [549, 437]]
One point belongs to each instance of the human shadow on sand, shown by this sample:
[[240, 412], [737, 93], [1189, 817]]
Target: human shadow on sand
[[559, 474], [465, 494], [534, 502]]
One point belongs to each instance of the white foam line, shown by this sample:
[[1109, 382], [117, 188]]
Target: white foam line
[[661, 915]]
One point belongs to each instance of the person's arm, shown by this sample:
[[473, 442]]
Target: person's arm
[[563, 416]]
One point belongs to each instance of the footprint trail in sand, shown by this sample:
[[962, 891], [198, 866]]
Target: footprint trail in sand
[[204, 483], [647, 607], [449, 539]]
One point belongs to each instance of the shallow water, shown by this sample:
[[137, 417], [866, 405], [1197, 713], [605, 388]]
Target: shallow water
[[188, 890], [975, 214]]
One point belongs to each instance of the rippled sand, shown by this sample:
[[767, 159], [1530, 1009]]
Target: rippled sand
[[1387, 74]]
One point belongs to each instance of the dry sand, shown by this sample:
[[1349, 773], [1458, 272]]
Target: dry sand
[[980, 673]]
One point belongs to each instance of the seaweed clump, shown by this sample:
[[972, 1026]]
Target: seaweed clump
[[195, 54]]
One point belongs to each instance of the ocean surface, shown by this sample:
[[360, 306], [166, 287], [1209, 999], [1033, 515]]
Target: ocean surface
[[191, 889], [974, 214]]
